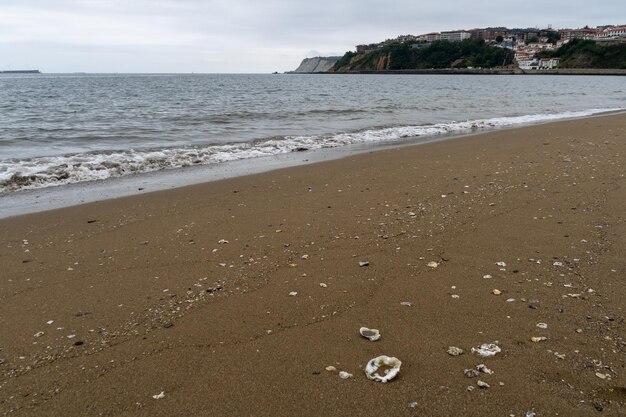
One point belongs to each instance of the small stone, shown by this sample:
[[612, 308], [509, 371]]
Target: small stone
[[413, 405], [579, 330], [603, 376], [38, 334], [323, 285], [537, 339], [159, 396], [406, 304], [542, 325], [482, 384], [533, 304], [471, 373], [293, 293], [454, 351], [331, 368], [364, 263], [487, 276], [470, 388], [496, 292], [455, 296], [501, 264], [345, 375], [432, 264], [305, 256], [168, 325]]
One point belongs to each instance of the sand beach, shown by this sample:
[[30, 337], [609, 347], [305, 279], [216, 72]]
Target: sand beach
[[231, 298]]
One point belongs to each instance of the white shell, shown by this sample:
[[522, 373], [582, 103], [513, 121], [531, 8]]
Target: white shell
[[483, 368], [487, 349], [482, 384], [383, 360], [345, 375], [371, 334]]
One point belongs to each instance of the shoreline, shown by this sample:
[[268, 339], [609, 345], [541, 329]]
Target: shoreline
[[482, 71], [181, 302], [36, 200]]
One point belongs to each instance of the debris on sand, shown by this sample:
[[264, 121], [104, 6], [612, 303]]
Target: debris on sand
[[159, 396], [388, 361], [371, 334], [454, 351], [345, 375], [487, 349]]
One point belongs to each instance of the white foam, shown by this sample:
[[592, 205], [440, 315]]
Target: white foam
[[59, 170]]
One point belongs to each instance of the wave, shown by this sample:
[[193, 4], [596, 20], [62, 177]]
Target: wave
[[18, 174]]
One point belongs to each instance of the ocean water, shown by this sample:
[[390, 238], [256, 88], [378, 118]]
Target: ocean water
[[62, 129]]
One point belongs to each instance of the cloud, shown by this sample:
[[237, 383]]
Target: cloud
[[245, 35]]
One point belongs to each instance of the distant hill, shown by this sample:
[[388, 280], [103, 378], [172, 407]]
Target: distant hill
[[580, 53], [439, 54], [317, 64]]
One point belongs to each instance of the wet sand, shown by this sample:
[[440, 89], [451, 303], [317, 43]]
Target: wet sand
[[105, 305]]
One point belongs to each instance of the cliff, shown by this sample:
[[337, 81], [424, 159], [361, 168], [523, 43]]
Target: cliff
[[588, 54], [317, 64], [421, 56]]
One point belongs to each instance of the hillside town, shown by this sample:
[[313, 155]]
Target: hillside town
[[526, 43]]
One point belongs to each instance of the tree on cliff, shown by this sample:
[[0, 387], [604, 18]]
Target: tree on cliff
[[439, 54]]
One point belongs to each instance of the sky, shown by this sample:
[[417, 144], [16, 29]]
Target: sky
[[247, 36]]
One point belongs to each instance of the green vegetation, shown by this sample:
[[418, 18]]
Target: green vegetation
[[553, 37], [532, 39], [345, 60], [581, 53], [439, 54]]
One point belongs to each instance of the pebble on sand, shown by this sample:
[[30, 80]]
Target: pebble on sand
[[454, 351], [159, 396]]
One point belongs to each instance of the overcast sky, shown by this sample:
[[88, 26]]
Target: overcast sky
[[247, 35]]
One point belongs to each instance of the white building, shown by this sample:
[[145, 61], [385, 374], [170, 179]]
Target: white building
[[614, 31], [454, 36]]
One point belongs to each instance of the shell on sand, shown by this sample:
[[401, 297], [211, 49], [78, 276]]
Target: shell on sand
[[371, 334], [374, 364]]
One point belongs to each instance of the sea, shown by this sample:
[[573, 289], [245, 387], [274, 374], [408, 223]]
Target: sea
[[72, 138]]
